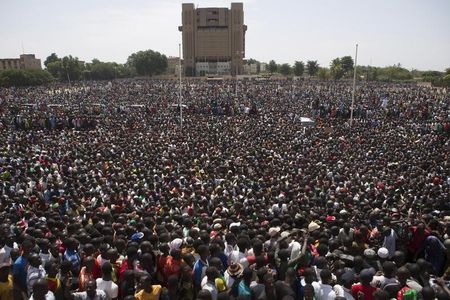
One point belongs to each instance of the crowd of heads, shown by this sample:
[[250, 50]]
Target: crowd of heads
[[106, 194]]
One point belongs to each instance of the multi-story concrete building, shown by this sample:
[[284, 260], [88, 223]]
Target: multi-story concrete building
[[25, 62], [213, 39]]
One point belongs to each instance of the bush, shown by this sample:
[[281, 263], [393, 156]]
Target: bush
[[24, 77]]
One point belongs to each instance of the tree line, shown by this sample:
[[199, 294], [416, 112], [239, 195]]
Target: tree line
[[70, 68], [142, 63], [342, 68], [149, 62]]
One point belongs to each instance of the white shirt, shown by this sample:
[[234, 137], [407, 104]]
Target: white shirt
[[389, 243], [238, 257], [99, 295], [295, 249], [33, 274], [48, 296], [229, 280], [229, 249], [323, 291], [5, 254], [341, 291], [211, 287], [381, 281], [45, 257], [110, 288]]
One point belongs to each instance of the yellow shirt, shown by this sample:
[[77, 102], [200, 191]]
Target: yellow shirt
[[154, 295], [221, 285], [6, 289]]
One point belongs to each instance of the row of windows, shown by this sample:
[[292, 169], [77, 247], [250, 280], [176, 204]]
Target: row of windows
[[211, 12], [10, 64]]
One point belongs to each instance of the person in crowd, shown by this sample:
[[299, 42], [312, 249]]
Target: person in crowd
[[363, 288], [35, 271], [106, 284], [147, 290], [41, 291], [6, 281]]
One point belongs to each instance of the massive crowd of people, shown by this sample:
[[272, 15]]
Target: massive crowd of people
[[105, 194]]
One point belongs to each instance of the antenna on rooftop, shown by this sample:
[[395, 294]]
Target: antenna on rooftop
[[23, 51]]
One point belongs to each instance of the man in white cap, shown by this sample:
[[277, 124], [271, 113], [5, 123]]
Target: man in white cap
[[175, 244], [389, 240], [383, 253], [271, 244], [313, 226]]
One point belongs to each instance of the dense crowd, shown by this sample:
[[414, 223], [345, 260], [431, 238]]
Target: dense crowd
[[105, 194]]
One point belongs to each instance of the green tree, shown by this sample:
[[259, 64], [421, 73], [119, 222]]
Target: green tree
[[71, 68], [346, 63], [373, 73], [285, 69], [124, 71], [103, 70], [394, 73], [148, 63], [55, 68], [336, 69], [435, 77], [299, 68], [370, 73], [312, 66], [323, 73], [24, 77], [272, 66], [51, 58]]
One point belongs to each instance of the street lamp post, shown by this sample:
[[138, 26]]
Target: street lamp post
[[354, 85], [179, 96], [238, 53]]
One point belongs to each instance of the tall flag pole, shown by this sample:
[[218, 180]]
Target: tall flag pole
[[179, 96], [354, 85]]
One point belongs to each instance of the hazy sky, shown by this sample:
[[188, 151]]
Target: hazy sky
[[415, 33]]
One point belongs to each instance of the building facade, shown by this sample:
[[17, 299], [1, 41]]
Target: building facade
[[213, 39], [25, 62]]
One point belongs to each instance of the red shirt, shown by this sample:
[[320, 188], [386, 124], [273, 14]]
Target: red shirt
[[366, 290], [172, 267], [417, 239]]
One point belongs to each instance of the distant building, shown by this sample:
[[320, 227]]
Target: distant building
[[173, 65], [25, 62], [263, 67], [213, 39], [251, 69]]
